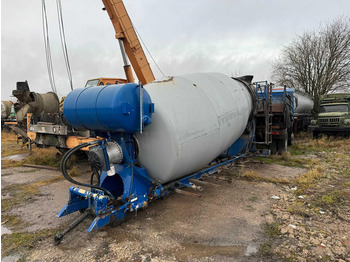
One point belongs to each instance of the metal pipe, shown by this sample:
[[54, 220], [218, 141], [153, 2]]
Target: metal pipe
[[127, 67], [58, 238]]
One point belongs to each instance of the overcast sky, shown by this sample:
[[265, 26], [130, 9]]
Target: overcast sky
[[234, 37]]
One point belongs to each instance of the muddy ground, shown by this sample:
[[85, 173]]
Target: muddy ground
[[284, 208]]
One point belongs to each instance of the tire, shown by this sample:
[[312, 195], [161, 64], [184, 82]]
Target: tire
[[315, 134], [290, 139], [273, 147], [282, 146]]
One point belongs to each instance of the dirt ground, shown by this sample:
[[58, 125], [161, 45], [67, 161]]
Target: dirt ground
[[266, 209]]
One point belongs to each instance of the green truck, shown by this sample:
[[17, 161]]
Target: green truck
[[333, 117]]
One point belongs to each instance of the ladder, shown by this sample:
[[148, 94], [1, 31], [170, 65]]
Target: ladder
[[264, 99], [268, 114]]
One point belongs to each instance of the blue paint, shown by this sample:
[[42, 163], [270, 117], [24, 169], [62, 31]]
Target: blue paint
[[111, 108], [237, 147]]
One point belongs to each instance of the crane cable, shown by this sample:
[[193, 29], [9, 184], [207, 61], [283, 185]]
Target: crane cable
[[47, 47], [63, 42], [147, 49]]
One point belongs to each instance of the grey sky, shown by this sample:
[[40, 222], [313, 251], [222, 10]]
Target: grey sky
[[232, 37]]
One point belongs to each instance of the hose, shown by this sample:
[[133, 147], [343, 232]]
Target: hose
[[63, 167]]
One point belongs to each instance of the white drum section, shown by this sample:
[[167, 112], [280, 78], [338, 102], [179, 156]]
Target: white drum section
[[304, 104], [197, 117]]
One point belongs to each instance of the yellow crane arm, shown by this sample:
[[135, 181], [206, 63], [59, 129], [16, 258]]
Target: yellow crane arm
[[126, 33]]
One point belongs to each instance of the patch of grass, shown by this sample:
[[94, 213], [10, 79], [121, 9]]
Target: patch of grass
[[347, 184], [13, 221], [9, 145], [272, 230], [323, 144], [39, 156], [10, 163], [27, 171], [331, 200], [265, 250], [44, 156], [253, 176], [8, 136], [346, 172], [21, 194], [308, 180], [74, 172], [11, 243], [286, 159]]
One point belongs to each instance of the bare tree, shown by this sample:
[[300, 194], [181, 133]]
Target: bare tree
[[317, 62]]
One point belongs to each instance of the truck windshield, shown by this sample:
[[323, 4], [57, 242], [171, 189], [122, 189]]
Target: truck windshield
[[334, 108], [93, 82]]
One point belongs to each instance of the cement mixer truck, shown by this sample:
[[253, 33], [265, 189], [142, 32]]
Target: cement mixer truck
[[155, 139], [34, 103]]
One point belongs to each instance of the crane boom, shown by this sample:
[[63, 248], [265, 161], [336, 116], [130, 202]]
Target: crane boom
[[126, 33]]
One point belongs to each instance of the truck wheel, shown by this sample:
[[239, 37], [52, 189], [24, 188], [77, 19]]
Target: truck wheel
[[273, 147], [315, 134], [282, 145], [290, 139]]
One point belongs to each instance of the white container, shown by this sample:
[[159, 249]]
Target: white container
[[197, 117], [304, 103]]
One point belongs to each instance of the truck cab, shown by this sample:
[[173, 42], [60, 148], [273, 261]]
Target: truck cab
[[105, 81], [333, 117]]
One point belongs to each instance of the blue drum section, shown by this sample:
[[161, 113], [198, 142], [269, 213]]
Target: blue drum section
[[112, 108]]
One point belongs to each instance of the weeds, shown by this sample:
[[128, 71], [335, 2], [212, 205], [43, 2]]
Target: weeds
[[346, 172], [286, 159], [13, 221], [308, 180], [271, 231], [331, 200], [45, 157], [265, 249], [74, 172], [347, 184], [11, 243], [253, 176]]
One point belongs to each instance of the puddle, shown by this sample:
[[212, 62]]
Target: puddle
[[17, 157], [198, 251], [5, 230], [11, 258], [251, 250]]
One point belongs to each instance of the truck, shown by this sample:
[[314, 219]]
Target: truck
[[333, 117], [274, 117], [281, 113]]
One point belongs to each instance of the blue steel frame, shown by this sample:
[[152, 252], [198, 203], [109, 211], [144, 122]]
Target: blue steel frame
[[131, 186]]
